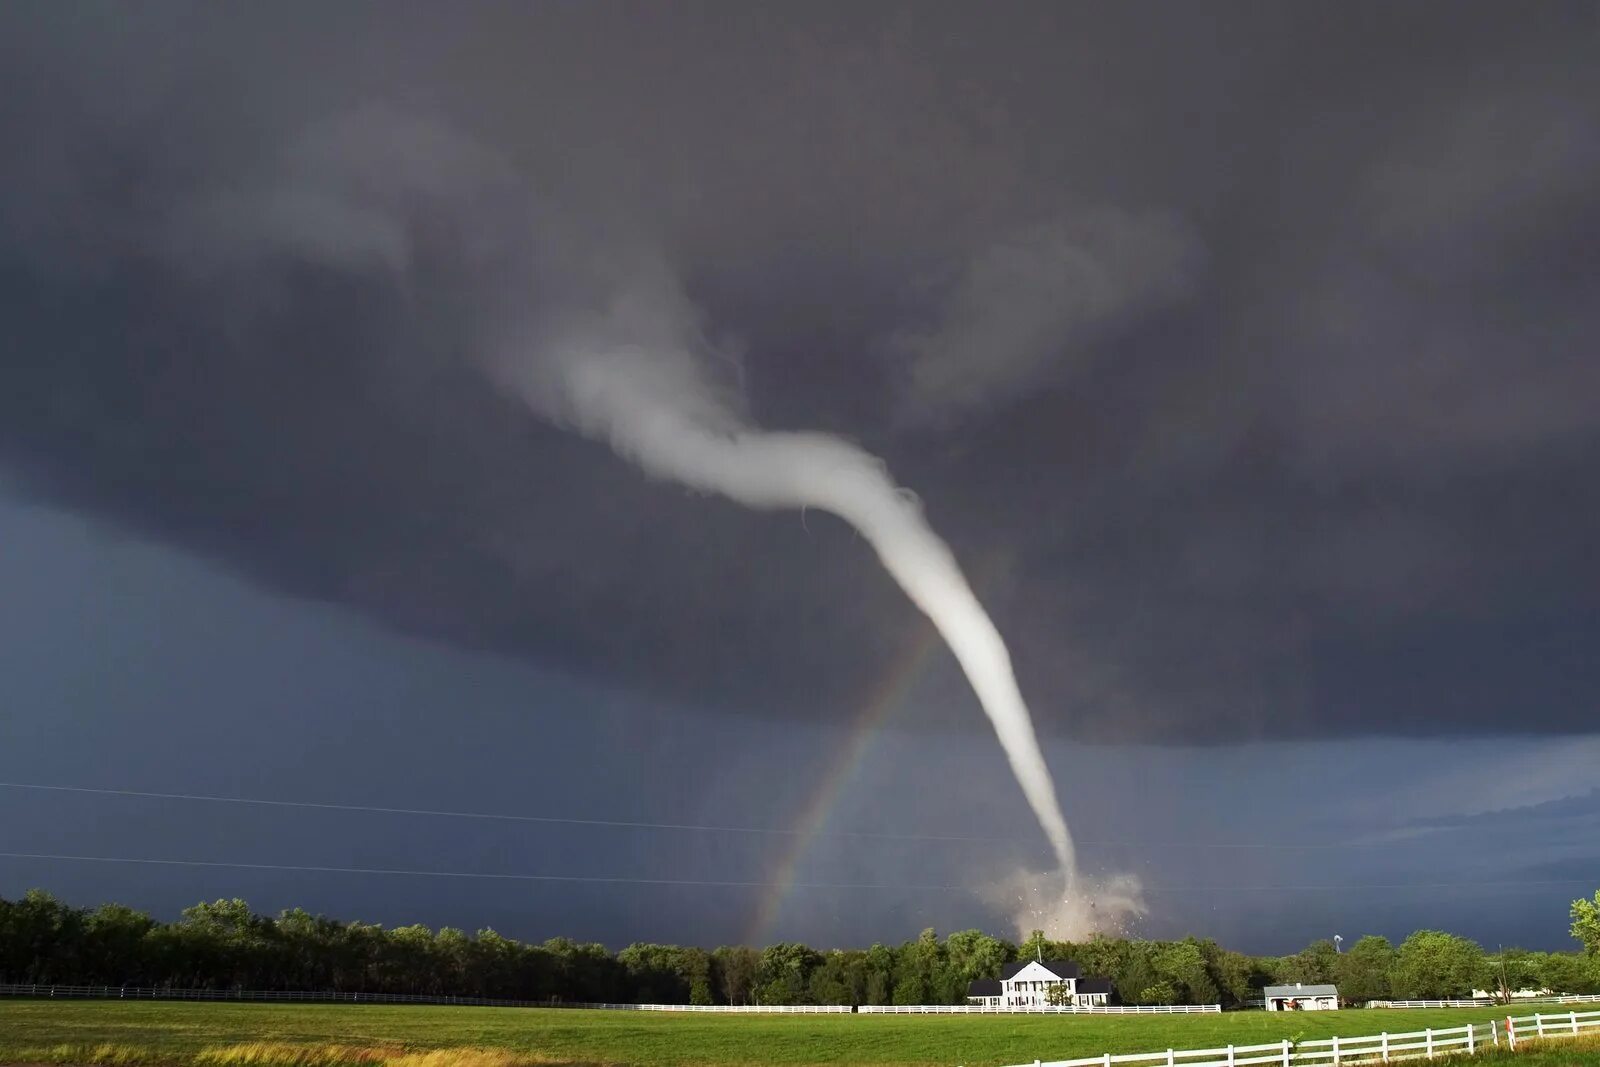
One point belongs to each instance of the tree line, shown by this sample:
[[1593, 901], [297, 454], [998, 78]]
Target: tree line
[[225, 945]]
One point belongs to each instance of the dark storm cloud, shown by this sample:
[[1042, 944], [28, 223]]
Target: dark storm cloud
[[1548, 816], [1244, 355]]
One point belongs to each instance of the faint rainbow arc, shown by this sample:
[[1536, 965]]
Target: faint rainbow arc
[[886, 695]]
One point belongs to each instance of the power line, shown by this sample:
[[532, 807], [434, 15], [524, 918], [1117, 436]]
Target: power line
[[593, 878], [641, 825], [497, 816], [752, 884]]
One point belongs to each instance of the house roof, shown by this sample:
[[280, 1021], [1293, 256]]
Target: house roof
[[1060, 968], [1094, 985], [1298, 990], [984, 987]]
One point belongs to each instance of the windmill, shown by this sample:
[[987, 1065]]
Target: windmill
[[1337, 942]]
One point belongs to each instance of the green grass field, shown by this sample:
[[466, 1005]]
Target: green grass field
[[180, 1033]]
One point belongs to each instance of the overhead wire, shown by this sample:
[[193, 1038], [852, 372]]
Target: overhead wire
[[757, 884], [635, 824]]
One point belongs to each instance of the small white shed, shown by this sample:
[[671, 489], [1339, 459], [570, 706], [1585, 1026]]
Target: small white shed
[[1300, 997]]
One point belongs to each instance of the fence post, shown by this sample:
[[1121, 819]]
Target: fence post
[[1428, 1041], [1386, 1046], [1494, 1032], [1335, 1050], [1574, 1022], [1511, 1033], [1170, 1060], [1230, 1057], [1108, 1060], [1538, 1024], [1285, 1052], [1471, 1047]]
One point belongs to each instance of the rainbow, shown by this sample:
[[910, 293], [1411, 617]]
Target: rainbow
[[886, 695]]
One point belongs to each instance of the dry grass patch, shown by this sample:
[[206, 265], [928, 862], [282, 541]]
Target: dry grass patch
[[469, 1057], [101, 1055], [284, 1054]]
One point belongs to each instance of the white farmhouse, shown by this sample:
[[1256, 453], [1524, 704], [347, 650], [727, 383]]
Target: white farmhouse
[[1300, 997], [1029, 985]]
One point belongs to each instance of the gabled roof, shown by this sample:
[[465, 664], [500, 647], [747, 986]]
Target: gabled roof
[[1298, 990], [984, 987], [1062, 969]]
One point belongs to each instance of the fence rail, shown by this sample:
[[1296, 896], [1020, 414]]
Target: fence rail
[[747, 1009], [1471, 1002], [101, 992], [1369, 1048], [104, 992], [1485, 1002], [1043, 1009]]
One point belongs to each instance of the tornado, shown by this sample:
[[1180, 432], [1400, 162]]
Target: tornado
[[656, 410]]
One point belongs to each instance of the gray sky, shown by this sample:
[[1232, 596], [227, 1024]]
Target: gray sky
[[1244, 356]]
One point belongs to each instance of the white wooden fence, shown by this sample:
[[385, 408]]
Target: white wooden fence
[[101, 992], [1372, 1048], [113, 992], [1043, 1009], [747, 1009], [1484, 1002]]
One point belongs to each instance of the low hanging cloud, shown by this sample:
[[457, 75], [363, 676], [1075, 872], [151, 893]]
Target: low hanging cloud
[[1025, 311]]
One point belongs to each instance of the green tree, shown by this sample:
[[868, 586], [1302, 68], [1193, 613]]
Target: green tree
[[450, 947], [1314, 965], [1037, 947], [1104, 957], [735, 967], [407, 961], [114, 945], [1569, 972], [971, 954], [1181, 965], [1135, 973], [879, 967], [784, 974], [1238, 976], [1513, 969], [654, 975], [694, 967], [1362, 974], [1159, 993], [919, 973], [1432, 965], [1586, 923], [42, 939], [831, 980]]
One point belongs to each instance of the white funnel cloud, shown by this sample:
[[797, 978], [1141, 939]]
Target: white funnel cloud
[[629, 378]]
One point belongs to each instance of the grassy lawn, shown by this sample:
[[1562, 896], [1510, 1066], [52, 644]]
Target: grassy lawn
[[179, 1033]]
